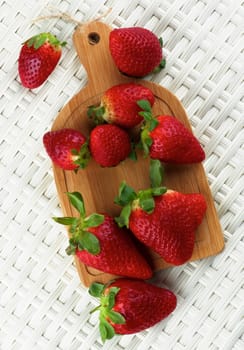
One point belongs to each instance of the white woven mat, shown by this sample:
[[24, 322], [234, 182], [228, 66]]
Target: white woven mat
[[42, 303]]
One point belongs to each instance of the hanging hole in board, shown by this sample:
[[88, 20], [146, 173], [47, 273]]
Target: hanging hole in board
[[93, 38]]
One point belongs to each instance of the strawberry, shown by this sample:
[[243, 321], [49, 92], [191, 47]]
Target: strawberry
[[98, 242], [67, 148], [109, 145], [136, 51], [38, 57], [167, 139], [129, 306], [164, 220], [119, 105]]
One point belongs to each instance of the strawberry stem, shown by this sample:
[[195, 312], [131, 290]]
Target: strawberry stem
[[96, 289], [146, 141], [156, 173]]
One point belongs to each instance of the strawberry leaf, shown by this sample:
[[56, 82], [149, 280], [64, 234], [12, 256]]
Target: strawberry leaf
[[103, 330], [106, 330], [158, 191], [53, 40], [93, 220], [76, 200], [72, 242], [116, 317], [144, 105], [152, 124], [133, 155], [96, 289], [123, 219], [126, 194], [96, 114], [113, 291], [39, 41], [30, 42], [82, 156], [146, 115], [163, 63], [73, 227], [66, 220], [70, 250], [89, 242], [147, 204], [156, 173], [100, 111], [90, 111]]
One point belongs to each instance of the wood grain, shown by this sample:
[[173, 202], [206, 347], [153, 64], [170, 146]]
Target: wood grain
[[98, 185]]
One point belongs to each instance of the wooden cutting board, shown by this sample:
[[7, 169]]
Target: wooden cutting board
[[99, 186]]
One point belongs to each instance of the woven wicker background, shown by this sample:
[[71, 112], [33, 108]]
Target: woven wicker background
[[42, 303]]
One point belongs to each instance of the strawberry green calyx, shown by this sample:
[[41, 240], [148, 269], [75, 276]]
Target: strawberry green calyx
[[107, 299], [38, 40], [144, 199], [162, 64], [150, 124], [80, 237], [81, 157], [96, 114]]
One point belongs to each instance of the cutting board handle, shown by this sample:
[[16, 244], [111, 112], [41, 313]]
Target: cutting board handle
[[91, 42]]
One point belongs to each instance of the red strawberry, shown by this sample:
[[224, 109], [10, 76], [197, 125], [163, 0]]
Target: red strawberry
[[167, 139], [170, 229], [119, 105], [163, 220], [98, 242], [38, 57], [129, 306], [136, 51], [67, 148], [109, 145]]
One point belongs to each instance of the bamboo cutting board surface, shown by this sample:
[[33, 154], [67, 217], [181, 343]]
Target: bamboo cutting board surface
[[99, 186]]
